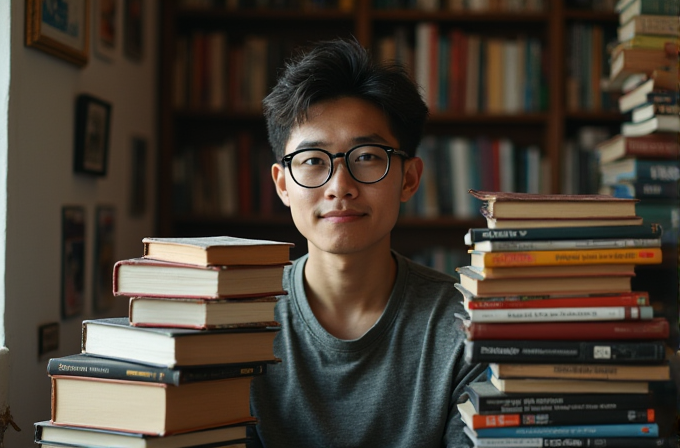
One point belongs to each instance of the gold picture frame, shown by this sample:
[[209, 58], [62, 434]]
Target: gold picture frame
[[59, 28]]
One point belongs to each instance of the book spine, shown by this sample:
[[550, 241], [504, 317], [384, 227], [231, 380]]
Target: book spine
[[93, 367], [573, 257], [662, 97], [655, 329], [609, 442], [659, 372], [620, 430], [499, 246], [562, 402], [650, 170], [562, 314], [599, 417], [647, 231], [563, 351], [620, 300]]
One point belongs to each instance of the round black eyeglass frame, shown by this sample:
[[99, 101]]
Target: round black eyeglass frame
[[286, 161]]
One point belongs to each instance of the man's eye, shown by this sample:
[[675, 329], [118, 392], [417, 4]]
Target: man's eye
[[316, 161]]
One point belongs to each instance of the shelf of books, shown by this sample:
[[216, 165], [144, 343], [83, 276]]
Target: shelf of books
[[578, 354], [177, 370], [506, 82]]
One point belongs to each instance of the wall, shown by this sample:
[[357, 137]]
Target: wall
[[40, 181]]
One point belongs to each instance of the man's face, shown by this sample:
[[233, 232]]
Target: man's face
[[344, 216]]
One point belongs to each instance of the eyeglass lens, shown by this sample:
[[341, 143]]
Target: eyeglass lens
[[313, 167]]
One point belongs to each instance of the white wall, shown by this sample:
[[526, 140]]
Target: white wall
[[40, 180]]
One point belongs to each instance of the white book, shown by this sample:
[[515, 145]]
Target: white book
[[460, 157], [659, 123], [512, 246], [423, 63], [561, 314], [511, 79]]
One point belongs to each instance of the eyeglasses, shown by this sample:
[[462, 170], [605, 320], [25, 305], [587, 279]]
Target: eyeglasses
[[313, 167]]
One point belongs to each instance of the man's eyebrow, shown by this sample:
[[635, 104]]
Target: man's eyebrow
[[371, 138]]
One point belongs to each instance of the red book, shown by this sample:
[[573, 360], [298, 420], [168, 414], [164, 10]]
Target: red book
[[653, 146], [654, 329]]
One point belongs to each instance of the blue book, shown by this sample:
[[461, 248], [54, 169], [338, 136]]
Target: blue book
[[622, 430]]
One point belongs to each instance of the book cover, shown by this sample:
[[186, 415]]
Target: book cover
[[654, 329], [648, 7], [652, 372], [176, 347], [609, 243], [605, 313], [651, 255], [623, 299], [568, 386], [217, 250], [540, 442], [658, 123], [646, 190], [646, 231], [631, 61], [476, 421], [514, 223], [98, 367], [564, 351], [487, 399], [652, 146], [649, 24], [45, 432], [614, 430], [155, 278], [632, 170]]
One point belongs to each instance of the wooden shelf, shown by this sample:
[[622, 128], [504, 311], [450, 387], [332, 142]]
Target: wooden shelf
[[407, 15]]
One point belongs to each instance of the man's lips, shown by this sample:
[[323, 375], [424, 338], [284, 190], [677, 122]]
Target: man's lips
[[340, 214]]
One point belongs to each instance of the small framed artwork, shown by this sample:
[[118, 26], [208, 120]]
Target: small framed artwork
[[48, 338], [60, 28], [105, 28], [72, 260], [133, 16], [93, 121], [104, 257], [139, 177]]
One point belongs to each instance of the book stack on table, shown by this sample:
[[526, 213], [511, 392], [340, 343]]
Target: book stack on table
[[576, 357], [176, 371]]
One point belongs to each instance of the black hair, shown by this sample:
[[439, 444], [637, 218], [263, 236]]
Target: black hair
[[343, 68]]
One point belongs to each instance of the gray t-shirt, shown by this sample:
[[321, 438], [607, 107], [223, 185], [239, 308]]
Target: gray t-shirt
[[395, 386]]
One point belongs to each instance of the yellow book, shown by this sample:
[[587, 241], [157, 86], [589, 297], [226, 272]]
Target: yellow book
[[651, 255]]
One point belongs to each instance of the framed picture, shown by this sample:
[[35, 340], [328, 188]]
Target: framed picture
[[93, 121], [139, 177], [72, 260], [133, 29], [105, 28], [104, 257], [60, 28]]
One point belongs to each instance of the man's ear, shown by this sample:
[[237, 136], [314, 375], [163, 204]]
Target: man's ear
[[279, 177], [413, 170]]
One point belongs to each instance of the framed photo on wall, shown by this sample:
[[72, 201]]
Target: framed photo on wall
[[72, 260], [93, 122], [133, 16], [104, 257], [60, 28], [105, 28]]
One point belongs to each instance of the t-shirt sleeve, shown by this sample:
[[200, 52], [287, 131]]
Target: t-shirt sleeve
[[454, 437]]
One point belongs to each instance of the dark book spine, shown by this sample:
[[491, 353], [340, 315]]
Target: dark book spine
[[112, 369], [598, 417], [523, 403], [647, 231], [564, 351], [657, 170], [663, 97], [609, 442]]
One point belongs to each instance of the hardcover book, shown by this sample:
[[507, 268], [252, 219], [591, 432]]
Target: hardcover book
[[652, 146], [587, 301], [480, 286], [649, 24], [654, 329], [115, 369], [633, 61], [202, 313], [217, 251], [487, 399], [146, 277], [657, 123], [176, 347], [614, 430], [657, 82], [609, 243], [158, 409], [651, 255], [529, 223], [47, 433], [604, 313], [652, 372], [568, 386], [631, 170], [541, 442], [529, 351], [501, 205], [474, 420], [646, 231], [597, 270]]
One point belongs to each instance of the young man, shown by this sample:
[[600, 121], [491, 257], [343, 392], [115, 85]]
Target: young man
[[372, 355]]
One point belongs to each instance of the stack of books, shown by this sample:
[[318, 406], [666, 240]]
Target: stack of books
[[576, 357], [176, 371]]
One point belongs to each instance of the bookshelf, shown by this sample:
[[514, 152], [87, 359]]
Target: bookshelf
[[192, 125]]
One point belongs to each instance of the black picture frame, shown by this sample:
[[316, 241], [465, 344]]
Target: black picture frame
[[93, 124]]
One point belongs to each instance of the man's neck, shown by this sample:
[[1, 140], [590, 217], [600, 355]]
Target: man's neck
[[348, 293]]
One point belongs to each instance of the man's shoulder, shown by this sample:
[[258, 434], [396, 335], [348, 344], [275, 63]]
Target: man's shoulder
[[428, 275]]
